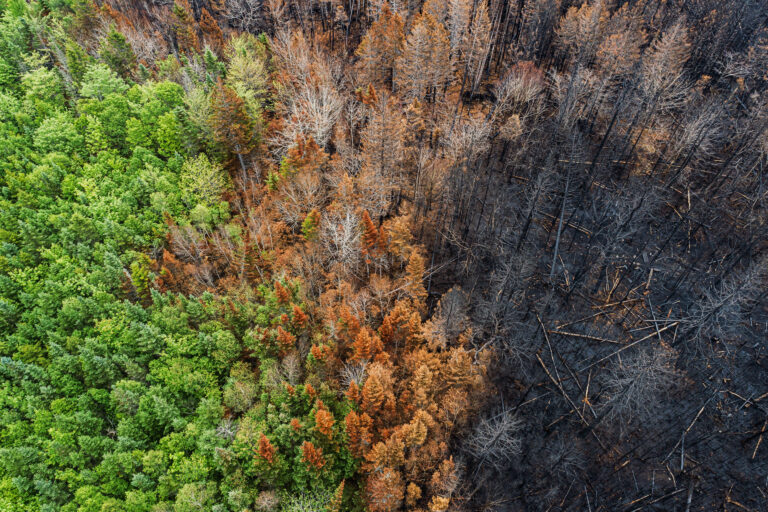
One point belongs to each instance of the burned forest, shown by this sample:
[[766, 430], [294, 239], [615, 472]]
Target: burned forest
[[383, 255]]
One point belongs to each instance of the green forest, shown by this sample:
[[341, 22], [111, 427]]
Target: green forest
[[302, 255], [114, 393]]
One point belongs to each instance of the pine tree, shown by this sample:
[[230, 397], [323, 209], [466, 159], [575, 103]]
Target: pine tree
[[281, 293], [387, 453], [86, 17], [401, 327], [310, 225], [439, 504], [424, 68], [618, 53], [230, 121], [311, 391], [412, 494], [336, 500], [211, 31], [458, 369], [399, 237], [353, 392], [421, 386], [266, 451], [382, 171], [285, 339], [663, 76], [458, 25], [304, 155], [366, 345], [117, 53], [443, 481], [370, 237], [140, 278], [368, 97], [324, 420], [359, 433], [415, 433], [477, 45], [184, 27], [414, 275], [436, 9], [377, 391], [312, 456], [580, 29], [350, 324], [385, 491], [380, 48], [248, 70], [300, 319]]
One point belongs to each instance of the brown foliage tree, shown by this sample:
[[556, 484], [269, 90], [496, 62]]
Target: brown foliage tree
[[299, 318], [414, 276], [323, 420], [211, 31], [380, 48], [367, 345], [266, 450], [359, 433], [281, 293], [336, 499], [424, 69], [312, 456], [184, 27], [385, 491], [370, 236]]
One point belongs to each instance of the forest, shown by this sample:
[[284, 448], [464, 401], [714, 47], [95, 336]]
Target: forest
[[383, 255]]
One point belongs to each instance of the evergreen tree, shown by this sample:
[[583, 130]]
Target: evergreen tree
[[230, 121], [118, 54], [310, 225], [380, 48], [424, 69], [211, 30], [184, 27]]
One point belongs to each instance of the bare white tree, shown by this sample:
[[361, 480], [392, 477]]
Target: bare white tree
[[309, 95], [634, 385], [520, 92], [496, 440], [317, 108], [353, 372], [664, 82], [469, 138], [147, 47], [573, 91], [188, 244], [299, 194], [720, 311], [246, 15], [314, 107], [340, 235], [267, 501], [316, 501], [227, 429]]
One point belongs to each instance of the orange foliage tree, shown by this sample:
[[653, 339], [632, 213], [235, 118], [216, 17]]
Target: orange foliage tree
[[312, 456]]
